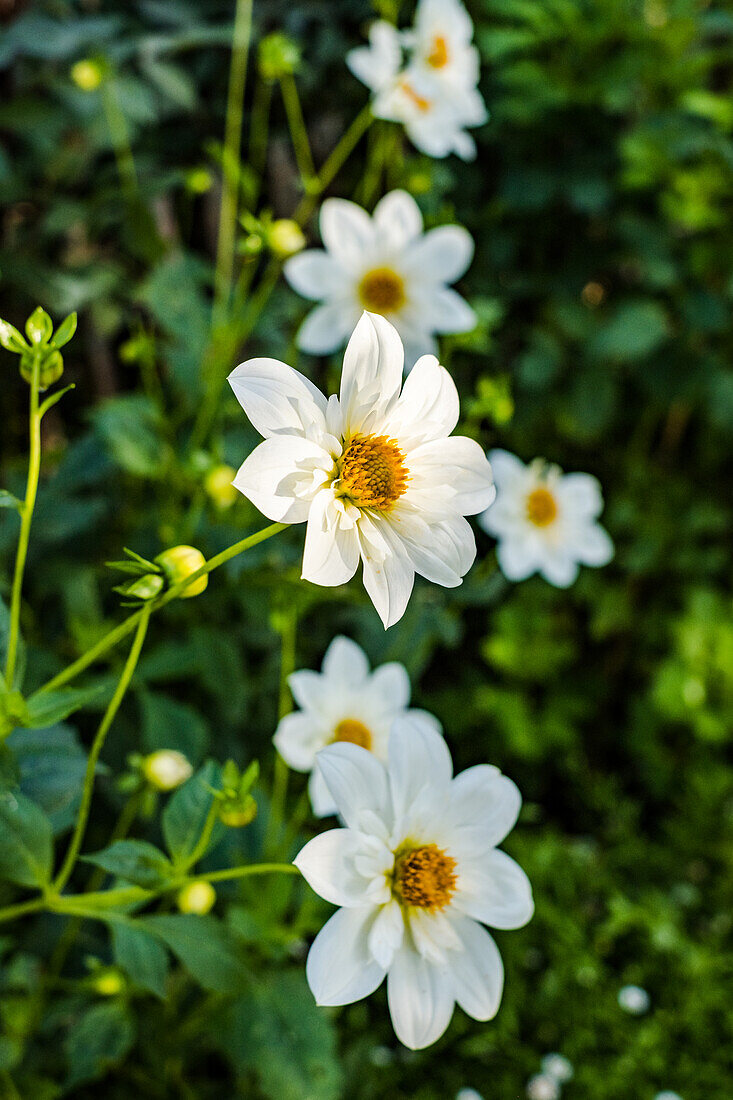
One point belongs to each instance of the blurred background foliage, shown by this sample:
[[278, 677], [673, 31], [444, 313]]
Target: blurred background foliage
[[601, 207]]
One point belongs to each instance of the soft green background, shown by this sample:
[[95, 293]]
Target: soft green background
[[601, 208]]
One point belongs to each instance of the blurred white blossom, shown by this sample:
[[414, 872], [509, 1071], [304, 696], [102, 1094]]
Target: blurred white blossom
[[557, 1066], [543, 1087], [634, 1000]]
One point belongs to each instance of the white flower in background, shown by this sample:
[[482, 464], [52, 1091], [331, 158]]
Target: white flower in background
[[417, 873], [468, 1094], [374, 472], [558, 1066], [667, 1095], [543, 1087], [634, 1000], [435, 95], [385, 264], [344, 702], [545, 520]]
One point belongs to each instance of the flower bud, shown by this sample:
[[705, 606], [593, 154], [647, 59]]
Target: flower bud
[[219, 488], [108, 981], [236, 813], [278, 56], [199, 181], [196, 897], [180, 562], [87, 75], [166, 769], [145, 588], [285, 238], [51, 366]]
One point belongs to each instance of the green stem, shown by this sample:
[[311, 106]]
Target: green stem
[[120, 136], [203, 841], [288, 634], [232, 157], [298, 131], [250, 870], [10, 912], [258, 134], [114, 636], [109, 716], [335, 162], [29, 503]]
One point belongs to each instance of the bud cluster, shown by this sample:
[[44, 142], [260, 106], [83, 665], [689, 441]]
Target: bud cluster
[[40, 356], [168, 569]]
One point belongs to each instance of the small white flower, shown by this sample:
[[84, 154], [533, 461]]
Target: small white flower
[[374, 472], [545, 520], [468, 1094], [417, 873], [385, 264], [634, 1000], [435, 95], [667, 1095], [543, 1087], [344, 702], [557, 1066]]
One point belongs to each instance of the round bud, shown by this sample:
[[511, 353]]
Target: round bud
[[219, 488], [108, 981], [50, 369], [87, 75], [278, 56], [196, 897], [180, 562], [199, 181], [285, 238], [235, 815], [166, 769]]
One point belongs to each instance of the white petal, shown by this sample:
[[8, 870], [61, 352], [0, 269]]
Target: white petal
[[345, 662], [321, 801], [508, 469], [449, 312], [372, 372], [314, 274], [442, 552], [461, 464], [518, 557], [581, 494], [331, 552], [477, 971], [347, 232], [357, 782], [309, 689], [419, 759], [442, 255], [388, 578], [298, 738], [277, 398], [428, 407], [420, 998], [433, 935], [326, 327], [398, 219], [484, 806], [275, 474], [340, 969], [327, 865], [386, 934], [593, 545], [494, 889], [417, 340], [390, 686], [559, 567], [377, 64]]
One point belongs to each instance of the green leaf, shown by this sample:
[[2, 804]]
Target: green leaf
[[204, 948], [131, 428], [65, 331], [168, 724], [54, 398], [185, 815], [633, 331], [11, 339], [98, 1041], [136, 861], [49, 707], [7, 500], [51, 765], [277, 1031], [39, 326], [142, 956], [26, 848]]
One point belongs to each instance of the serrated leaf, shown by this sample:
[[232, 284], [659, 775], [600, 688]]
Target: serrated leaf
[[136, 861], [26, 847], [51, 765], [185, 815], [203, 946], [142, 956]]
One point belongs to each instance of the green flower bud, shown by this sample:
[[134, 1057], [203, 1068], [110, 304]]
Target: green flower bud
[[87, 75], [196, 897], [39, 326], [278, 56], [144, 588], [199, 181], [219, 488], [108, 981], [50, 370], [236, 813], [11, 339], [180, 562], [285, 238], [166, 769]]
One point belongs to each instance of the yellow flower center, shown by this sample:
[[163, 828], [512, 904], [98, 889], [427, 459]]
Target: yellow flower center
[[382, 290], [438, 56], [541, 507], [373, 472], [425, 877], [355, 732], [420, 101]]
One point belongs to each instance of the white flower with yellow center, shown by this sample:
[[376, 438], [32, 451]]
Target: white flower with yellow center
[[417, 874], [374, 472], [385, 264], [545, 520], [344, 702], [435, 96]]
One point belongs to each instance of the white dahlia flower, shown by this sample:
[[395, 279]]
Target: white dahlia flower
[[374, 472], [545, 520], [344, 702], [385, 264], [416, 874]]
